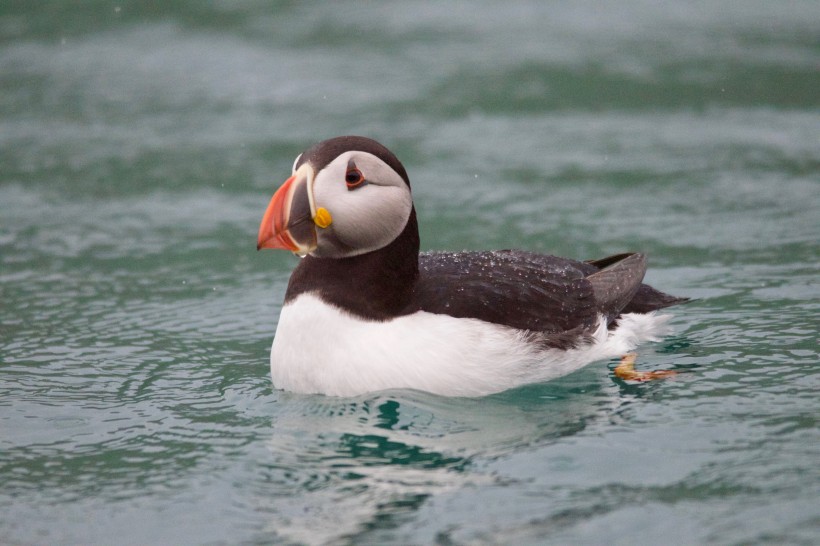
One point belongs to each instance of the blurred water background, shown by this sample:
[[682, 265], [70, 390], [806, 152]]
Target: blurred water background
[[139, 145]]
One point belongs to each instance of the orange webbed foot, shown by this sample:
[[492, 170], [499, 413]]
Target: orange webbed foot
[[626, 370]]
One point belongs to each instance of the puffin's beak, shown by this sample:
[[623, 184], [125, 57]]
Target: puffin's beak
[[288, 222]]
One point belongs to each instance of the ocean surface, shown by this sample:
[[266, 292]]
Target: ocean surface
[[141, 141]]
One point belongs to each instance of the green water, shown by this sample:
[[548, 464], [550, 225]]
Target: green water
[[140, 144]]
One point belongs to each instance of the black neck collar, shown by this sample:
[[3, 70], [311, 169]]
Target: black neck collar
[[377, 285]]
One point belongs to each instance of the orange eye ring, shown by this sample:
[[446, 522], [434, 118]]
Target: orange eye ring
[[354, 178]]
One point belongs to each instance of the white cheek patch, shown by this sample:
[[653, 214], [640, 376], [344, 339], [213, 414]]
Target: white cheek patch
[[376, 218], [365, 218]]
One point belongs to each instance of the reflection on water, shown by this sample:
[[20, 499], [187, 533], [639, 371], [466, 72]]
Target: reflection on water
[[368, 465]]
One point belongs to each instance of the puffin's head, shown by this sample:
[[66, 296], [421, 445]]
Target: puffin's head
[[346, 196]]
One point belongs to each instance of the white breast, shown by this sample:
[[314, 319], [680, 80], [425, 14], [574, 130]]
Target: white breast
[[318, 348]]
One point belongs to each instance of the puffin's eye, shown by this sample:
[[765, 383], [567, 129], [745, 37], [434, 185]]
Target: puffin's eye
[[354, 177]]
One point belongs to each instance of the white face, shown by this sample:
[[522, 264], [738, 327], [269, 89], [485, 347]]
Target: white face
[[366, 217]]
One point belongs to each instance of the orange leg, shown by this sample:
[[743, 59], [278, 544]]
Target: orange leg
[[626, 370]]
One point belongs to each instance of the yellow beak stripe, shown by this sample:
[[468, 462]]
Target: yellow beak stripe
[[322, 218]]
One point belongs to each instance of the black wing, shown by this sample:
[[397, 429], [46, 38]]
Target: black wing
[[525, 290], [534, 292], [646, 299]]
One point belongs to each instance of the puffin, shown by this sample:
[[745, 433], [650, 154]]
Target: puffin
[[365, 311]]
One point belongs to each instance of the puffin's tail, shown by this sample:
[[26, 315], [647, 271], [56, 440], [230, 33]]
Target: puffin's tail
[[648, 299]]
